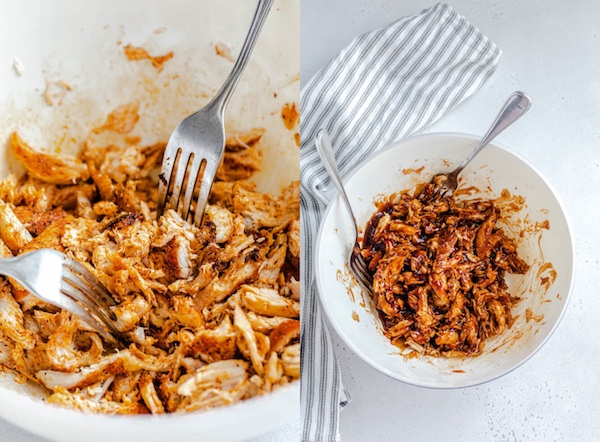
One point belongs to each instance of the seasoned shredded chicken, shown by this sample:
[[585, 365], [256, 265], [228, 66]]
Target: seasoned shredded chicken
[[211, 312], [438, 271]]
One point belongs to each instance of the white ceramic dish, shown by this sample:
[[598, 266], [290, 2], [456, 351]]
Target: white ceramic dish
[[495, 168], [83, 46]]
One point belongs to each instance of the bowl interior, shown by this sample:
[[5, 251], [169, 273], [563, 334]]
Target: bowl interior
[[544, 289]]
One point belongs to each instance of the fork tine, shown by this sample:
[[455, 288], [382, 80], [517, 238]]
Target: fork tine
[[83, 301], [360, 268], [165, 177], [359, 274], [210, 171], [74, 307], [360, 263], [366, 282], [177, 180], [368, 276], [91, 279], [85, 294], [194, 171], [365, 286], [86, 302]]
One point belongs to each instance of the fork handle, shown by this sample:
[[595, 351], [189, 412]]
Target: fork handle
[[10, 267], [222, 97], [325, 151], [20, 268]]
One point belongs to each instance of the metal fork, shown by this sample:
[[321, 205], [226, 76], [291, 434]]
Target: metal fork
[[355, 260], [195, 148], [514, 108], [52, 277]]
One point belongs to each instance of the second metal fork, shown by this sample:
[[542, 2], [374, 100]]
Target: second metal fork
[[194, 151], [355, 260], [64, 283]]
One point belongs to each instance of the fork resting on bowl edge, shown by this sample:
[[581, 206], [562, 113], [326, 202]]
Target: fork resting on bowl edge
[[63, 282]]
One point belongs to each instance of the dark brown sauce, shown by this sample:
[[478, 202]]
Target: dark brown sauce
[[370, 228]]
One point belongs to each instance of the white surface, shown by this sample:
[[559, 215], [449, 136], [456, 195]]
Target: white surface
[[494, 170], [64, 41], [552, 52]]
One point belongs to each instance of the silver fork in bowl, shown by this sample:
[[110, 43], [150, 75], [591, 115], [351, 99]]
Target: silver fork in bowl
[[355, 260], [195, 148], [63, 282], [514, 108]]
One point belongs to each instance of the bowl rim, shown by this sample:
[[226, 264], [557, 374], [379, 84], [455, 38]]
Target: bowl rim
[[356, 349], [192, 421]]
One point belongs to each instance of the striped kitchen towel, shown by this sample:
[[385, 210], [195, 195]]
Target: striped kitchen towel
[[385, 85]]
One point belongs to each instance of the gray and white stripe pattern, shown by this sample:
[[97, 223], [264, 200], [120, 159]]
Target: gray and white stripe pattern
[[385, 85]]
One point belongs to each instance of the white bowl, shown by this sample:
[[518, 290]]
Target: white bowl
[[349, 311], [83, 46]]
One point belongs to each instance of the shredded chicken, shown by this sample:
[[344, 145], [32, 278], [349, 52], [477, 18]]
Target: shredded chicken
[[438, 271], [45, 167], [12, 232], [211, 312]]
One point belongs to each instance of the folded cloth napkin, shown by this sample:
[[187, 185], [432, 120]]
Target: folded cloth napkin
[[385, 85]]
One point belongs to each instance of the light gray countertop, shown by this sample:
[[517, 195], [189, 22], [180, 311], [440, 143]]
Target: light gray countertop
[[551, 50]]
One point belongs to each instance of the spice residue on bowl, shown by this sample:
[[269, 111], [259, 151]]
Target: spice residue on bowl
[[135, 53]]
